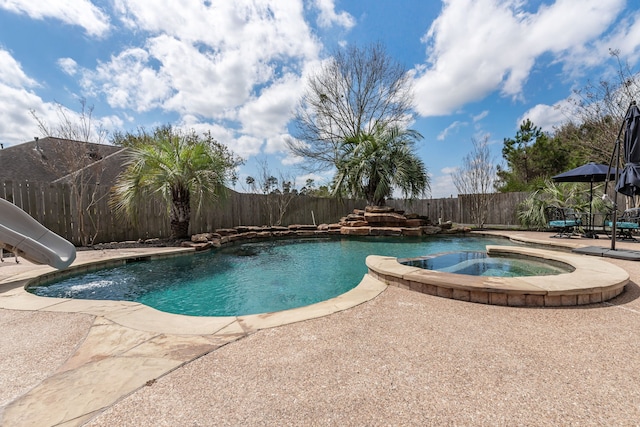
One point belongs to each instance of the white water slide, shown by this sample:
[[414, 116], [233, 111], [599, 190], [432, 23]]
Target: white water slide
[[24, 236]]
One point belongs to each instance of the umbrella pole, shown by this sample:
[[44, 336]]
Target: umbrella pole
[[591, 229], [615, 196], [615, 199]]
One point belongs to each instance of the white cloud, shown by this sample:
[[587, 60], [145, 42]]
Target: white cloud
[[451, 128], [318, 179], [442, 186], [328, 15], [68, 65], [11, 73], [478, 46], [240, 62], [128, 81], [448, 170], [292, 160], [625, 37], [246, 146], [17, 100], [480, 116], [269, 113], [547, 117], [17, 125], [82, 13], [277, 144]]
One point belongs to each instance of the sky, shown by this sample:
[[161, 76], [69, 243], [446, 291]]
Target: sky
[[237, 68]]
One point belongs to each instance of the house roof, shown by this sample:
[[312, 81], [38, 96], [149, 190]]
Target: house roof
[[55, 159]]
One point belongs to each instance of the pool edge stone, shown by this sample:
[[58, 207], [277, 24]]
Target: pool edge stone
[[590, 282]]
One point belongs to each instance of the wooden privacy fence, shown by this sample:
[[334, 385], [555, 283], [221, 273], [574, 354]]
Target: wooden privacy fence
[[502, 208], [58, 207]]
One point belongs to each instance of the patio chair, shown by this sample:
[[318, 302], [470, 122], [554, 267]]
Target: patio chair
[[626, 224], [565, 221]]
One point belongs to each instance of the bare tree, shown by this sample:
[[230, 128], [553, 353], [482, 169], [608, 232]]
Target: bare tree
[[72, 126], [82, 161], [355, 92], [475, 179], [278, 192], [597, 111]]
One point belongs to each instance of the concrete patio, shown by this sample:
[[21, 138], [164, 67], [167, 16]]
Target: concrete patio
[[401, 358]]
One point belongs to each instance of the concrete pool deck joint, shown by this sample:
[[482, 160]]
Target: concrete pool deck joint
[[592, 281]]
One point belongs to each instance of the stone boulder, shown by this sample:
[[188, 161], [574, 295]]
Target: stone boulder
[[300, 227], [412, 231], [378, 209], [197, 246], [226, 231], [416, 222], [385, 231], [355, 231], [385, 219], [202, 237]]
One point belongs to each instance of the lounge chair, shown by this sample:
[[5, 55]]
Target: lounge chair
[[626, 224], [565, 221]]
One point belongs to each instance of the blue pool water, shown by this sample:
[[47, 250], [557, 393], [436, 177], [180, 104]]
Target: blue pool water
[[476, 263], [255, 277]]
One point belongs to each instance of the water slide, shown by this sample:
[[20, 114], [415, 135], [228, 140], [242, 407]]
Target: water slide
[[24, 236]]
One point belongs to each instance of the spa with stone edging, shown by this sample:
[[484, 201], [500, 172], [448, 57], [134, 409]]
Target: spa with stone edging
[[592, 281]]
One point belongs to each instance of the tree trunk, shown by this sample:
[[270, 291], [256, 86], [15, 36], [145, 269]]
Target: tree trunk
[[180, 213], [179, 229], [371, 188]]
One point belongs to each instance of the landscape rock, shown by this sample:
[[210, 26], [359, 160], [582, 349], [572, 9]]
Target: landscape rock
[[430, 229], [248, 228], [385, 231], [385, 219], [355, 231], [415, 222], [197, 246], [302, 227], [226, 231], [362, 223], [412, 231], [354, 217], [201, 237], [378, 209], [276, 228]]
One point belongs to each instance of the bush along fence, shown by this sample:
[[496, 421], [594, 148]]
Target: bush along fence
[[83, 216]]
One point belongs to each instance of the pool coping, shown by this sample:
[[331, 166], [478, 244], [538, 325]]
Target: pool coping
[[592, 281], [139, 316]]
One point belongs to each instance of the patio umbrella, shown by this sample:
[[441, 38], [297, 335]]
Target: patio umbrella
[[591, 172], [629, 179], [629, 182]]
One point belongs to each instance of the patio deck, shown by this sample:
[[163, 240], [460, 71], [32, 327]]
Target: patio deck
[[403, 358]]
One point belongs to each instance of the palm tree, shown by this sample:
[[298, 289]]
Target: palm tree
[[370, 166], [182, 168]]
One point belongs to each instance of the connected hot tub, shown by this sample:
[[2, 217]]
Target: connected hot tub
[[586, 280]]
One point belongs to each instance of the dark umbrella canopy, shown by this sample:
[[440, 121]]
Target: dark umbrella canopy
[[629, 182], [591, 172]]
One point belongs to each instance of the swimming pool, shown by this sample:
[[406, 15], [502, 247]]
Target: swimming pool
[[253, 277]]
